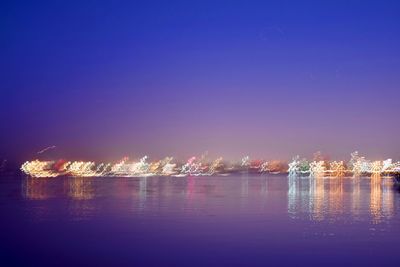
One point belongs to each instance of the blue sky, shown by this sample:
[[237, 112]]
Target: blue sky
[[106, 79]]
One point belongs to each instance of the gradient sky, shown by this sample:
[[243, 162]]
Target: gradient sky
[[106, 79]]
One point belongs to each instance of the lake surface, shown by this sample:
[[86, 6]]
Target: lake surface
[[239, 220]]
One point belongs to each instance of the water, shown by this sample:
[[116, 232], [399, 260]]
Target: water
[[242, 220]]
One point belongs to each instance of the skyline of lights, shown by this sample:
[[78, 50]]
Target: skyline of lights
[[357, 166], [202, 166]]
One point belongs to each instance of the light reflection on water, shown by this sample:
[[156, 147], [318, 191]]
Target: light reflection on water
[[315, 199], [333, 198], [240, 220]]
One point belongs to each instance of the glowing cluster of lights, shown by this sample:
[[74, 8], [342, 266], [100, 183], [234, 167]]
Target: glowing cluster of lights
[[337, 168], [245, 161], [196, 166], [357, 166], [39, 169], [317, 168], [192, 167]]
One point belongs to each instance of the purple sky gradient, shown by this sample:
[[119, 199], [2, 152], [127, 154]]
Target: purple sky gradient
[[103, 80]]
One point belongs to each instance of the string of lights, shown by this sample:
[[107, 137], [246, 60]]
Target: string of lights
[[357, 166]]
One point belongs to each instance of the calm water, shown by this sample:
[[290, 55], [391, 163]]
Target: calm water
[[242, 220]]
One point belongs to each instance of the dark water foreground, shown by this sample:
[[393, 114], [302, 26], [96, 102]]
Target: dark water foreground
[[199, 221]]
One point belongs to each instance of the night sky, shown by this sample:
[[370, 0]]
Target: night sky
[[105, 79]]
